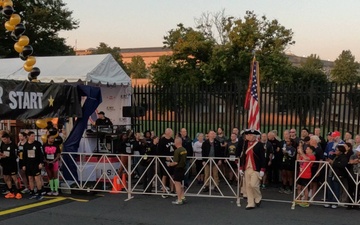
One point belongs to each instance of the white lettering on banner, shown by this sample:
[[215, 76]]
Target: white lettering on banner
[[25, 100]]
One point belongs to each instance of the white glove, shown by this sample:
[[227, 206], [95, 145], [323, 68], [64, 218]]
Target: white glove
[[241, 172], [262, 173]]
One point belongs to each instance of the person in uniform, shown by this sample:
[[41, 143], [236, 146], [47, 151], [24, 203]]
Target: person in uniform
[[8, 155], [33, 158], [252, 161], [179, 165]]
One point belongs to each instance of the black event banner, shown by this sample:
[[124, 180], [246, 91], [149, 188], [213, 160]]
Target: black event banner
[[29, 100]]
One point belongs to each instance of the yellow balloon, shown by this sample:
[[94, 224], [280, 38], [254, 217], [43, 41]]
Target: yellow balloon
[[31, 60], [8, 26], [24, 40], [15, 19], [28, 69], [41, 123], [44, 138], [18, 48], [8, 3]]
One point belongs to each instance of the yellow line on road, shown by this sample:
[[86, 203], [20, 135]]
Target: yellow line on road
[[34, 205]]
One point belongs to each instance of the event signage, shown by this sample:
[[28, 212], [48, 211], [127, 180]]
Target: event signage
[[30, 100]]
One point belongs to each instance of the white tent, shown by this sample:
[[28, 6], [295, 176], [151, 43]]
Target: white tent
[[89, 68]]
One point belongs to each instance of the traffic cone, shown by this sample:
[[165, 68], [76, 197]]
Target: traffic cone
[[116, 185]]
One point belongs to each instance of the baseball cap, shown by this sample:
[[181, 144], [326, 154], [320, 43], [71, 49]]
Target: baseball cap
[[335, 134], [101, 112]]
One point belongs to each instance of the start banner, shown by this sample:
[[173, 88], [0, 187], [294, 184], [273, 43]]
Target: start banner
[[30, 100]]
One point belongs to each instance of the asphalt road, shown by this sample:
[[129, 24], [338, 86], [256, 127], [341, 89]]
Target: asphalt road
[[153, 210]]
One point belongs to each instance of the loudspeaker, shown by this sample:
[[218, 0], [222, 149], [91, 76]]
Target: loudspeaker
[[133, 111]]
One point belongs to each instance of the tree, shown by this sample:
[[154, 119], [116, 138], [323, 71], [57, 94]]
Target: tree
[[313, 62], [346, 69], [137, 67], [43, 20], [103, 48]]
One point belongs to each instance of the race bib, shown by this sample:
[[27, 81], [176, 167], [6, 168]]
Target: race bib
[[232, 157], [31, 153], [6, 153], [21, 148], [50, 156], [128, 150]]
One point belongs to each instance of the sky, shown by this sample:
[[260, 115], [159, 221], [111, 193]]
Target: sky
[[322, 27]]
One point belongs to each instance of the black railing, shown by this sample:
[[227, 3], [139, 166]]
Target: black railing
[[329, 106]]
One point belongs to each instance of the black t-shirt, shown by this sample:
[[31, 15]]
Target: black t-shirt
[[268, 149], [9, 150], [187, 144], [277, 154], [51, 151], [166, 147], [33, 153], [125, 147], [103, 122]]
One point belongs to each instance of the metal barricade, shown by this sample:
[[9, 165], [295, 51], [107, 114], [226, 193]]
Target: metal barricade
[[326, 175], [96, 172]]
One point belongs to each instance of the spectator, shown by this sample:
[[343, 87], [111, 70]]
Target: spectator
[[187, 144], [287, 166], [305, 172], [348, 135], [274, 172], [317, 132], [339, 176], [232, 152], [355, 171], [357, 141], [294, 137], [315, 169], [211, 148], [198, 153], [148, 163], [304, 133], [269, 153]]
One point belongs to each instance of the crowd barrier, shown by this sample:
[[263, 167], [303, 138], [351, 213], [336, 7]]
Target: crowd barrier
[[99, 172], [324, 178]]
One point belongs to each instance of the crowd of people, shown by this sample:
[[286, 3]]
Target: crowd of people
[[279, 166], [22, 164], [262, 159]]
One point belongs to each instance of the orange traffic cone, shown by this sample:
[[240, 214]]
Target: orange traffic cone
[[117, 185]]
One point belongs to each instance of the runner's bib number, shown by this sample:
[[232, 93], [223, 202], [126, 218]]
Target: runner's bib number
[[50, 156]]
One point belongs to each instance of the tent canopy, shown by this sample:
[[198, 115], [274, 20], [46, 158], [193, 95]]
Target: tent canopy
[[89, 68]]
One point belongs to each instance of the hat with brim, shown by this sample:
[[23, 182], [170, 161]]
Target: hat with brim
[[252, 131]]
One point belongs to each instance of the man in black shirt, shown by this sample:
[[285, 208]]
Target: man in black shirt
[[187, 144], [8, 155], [102, 120]]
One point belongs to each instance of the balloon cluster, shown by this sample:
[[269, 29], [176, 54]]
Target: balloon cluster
[[42, 124], [17, 29]]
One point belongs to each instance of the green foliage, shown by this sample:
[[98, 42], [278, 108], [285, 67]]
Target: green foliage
[[43, 20], [137, 67], [103, 48], [198, 58], [313, 62], [346, 69]]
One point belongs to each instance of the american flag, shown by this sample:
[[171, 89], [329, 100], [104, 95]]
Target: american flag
[[252, 97], [93, 117]]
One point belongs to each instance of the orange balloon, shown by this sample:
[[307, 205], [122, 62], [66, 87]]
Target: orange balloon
[[31, 60], [7, 3], [8, 26], [44, 138], [15, 19], [18, 48], [24, 40], [28, 69]]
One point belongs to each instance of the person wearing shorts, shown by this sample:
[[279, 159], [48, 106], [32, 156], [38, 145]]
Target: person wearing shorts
[[33, 159], [22, 140], [179, 165], [52, 156], [305, 172], [8, 155]]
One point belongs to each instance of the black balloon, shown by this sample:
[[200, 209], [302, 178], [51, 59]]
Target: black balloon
[[34, 72], [14, 37], [53, 131], [22, 57], [19, 29], [30, 78], [8, 11], [27, 51]]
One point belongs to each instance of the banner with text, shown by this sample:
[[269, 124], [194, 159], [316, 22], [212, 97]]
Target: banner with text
[[29, 100]]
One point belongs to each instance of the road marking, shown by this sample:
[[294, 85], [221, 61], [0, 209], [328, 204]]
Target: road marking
[[34, 205], [69, 198]]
